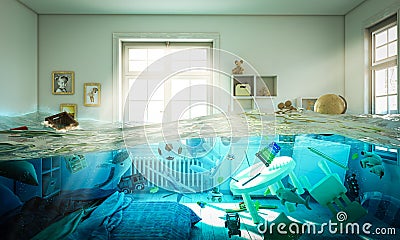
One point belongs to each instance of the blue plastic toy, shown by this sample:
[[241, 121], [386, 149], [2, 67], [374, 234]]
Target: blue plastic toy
[[267, 154]]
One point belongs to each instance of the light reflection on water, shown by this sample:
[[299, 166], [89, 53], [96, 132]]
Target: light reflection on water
[[96, 136]]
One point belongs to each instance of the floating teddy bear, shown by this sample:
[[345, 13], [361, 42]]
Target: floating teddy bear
[[238, 69], [286, 107], [374, 162]]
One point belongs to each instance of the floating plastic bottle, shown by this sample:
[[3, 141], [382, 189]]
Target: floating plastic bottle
[[267, 154]]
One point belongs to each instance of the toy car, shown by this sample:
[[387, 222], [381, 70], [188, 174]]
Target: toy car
[[215, 195], [232, 222], [130, 183]]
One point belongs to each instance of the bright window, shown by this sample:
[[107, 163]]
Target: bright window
[[384, 67], [180, 96]]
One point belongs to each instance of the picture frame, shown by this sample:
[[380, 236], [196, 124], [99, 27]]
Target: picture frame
[[63, 82], [92, 94], [69, 108], [307, 103]]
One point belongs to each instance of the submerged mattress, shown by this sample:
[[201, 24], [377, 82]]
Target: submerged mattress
[[155, 220]]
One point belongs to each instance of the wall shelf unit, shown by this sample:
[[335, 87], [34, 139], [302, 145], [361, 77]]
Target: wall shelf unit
[[266, 86], [51, 176], [245, 89], [48, 171]]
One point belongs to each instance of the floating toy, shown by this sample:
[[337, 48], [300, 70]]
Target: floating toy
[[19, 128], [354, 156], [131, 183], [286, 107], [75, 163], [327, 158], [330, 104], [377, 170], [202, 204], [169, 151], [215, 195], [267, 154], [352, 186], [61, 121], [370, 159], [374, 162], [154, 189], [232, 222], [290, 195]]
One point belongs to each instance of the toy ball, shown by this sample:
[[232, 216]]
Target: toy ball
[[330, 104]]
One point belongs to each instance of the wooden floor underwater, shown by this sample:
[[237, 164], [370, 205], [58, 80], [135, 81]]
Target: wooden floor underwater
[[212, 225]]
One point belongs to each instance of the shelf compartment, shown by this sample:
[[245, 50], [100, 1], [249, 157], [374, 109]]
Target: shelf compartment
[[266, 86], [242, 84]]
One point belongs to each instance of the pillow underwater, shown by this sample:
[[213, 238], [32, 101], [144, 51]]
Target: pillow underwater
[[22, 171]]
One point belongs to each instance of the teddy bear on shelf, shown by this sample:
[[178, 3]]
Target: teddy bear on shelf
[[238, 69], [286, 107]]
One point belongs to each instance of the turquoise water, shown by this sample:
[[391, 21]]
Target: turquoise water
[[230, 146], [94, 136]]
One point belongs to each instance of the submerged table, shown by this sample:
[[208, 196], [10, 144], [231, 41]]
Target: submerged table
[[259, 176]]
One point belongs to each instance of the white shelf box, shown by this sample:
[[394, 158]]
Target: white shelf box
[[245, 89], [266, 86], [241, 83]]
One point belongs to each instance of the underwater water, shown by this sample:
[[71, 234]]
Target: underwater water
[[319, 144]]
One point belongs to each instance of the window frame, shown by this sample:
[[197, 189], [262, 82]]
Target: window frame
[[387, 156], [386, 63], [119, 38], [166, 47]]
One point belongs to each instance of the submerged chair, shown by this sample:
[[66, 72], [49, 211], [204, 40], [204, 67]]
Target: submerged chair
[[331, 193]]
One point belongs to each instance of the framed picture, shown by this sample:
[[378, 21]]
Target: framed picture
[[63, 82], [306, 102], [92, 94], [69, 108]]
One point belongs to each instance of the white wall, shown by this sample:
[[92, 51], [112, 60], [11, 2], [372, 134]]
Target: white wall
[[18, 59], [306, 52], [364, 16]]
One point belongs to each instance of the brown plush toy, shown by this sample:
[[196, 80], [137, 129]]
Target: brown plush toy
[[238, 69], [286, 107]]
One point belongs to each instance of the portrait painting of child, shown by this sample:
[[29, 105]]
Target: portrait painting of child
[[63, 82]]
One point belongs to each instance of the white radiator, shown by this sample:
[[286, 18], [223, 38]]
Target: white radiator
[[164, 173]]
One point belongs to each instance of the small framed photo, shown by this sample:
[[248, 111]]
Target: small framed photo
[[69, 108], [63, 82], [92, 93]]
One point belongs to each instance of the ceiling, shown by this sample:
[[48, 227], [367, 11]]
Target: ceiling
[[224, 7]]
